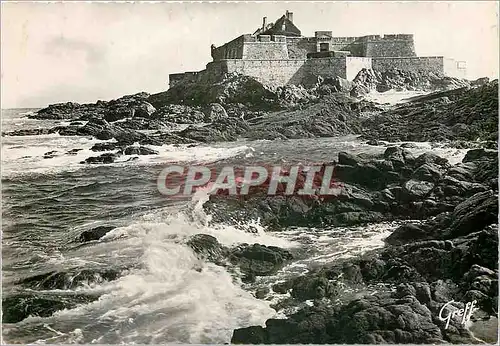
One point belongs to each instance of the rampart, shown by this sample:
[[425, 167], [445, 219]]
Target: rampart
[[185, 77], [432, 64], [251, 47], [388, 46], [277, 72], [276, 54], [269, 47]]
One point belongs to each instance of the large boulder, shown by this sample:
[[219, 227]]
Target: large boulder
[[105, 158], [474, 213], [16, 308], [214, 112], [259, 259], [417, 189], [103, 130], [428, 172], [407, 233], [139, 150], [207, 247], [94, 233], [480, 154]]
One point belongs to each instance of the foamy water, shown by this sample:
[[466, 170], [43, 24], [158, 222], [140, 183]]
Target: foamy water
[[25, 154], [165, 294], [173, 297], [392, 97]]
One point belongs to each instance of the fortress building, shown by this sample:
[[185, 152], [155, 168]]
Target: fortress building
[[277, 54]]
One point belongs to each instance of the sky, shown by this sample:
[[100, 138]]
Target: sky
[[84, 52]]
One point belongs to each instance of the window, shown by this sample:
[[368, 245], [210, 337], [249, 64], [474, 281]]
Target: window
[[324, 47]]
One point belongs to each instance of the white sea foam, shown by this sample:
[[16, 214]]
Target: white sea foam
[[392, 97], [174, 296], [25, 154]]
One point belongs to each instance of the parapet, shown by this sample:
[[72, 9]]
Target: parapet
[[387, 37], [323, 33], [178, 78], [278, 38], [265, 38], [348, 39]]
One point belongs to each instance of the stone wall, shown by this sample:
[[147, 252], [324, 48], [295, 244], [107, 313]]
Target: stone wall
[[325, 67], [185, 77], [270, 72], [283, 72], [251, 47], [365, 46], [416, 64], [388, 46], [350, 44], [298, 47], [276, 72], [265, 50], [231, 50]]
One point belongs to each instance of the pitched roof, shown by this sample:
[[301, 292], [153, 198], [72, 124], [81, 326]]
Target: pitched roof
[[277, 29]]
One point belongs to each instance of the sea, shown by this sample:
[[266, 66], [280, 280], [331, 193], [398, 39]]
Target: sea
[[163, 292]]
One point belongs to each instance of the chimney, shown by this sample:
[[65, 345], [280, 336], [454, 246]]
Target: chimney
[[289, 16], [264, 23]]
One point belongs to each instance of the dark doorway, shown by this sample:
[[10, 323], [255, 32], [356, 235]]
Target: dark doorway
[[324, 47]]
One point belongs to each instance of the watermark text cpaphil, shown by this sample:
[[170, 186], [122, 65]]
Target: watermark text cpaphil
[[312, 180]]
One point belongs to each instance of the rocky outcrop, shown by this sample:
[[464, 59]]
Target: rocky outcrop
[[240, 106], [101, 129], [94, 233], [395, 185], [462, 114], [224, 129], [139, 150], [105, 158], [252, 259], [335, 115], [431, 266], [126, 106], [129, 108], [208, 248], [451, 256], [16, 308], [181, 114], [259, 260], [368, 80], [65, 280], [234, 89]]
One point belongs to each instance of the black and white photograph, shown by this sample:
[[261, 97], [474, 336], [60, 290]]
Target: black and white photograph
[[249, 172]]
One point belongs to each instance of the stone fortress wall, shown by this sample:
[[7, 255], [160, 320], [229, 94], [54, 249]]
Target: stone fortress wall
[[277, 59]]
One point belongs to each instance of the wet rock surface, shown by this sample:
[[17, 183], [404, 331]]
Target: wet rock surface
[[240, 106], [259, 260], [461, 114], [18, 307], [395, 185], [252, 259], [368, 80], [94, 233], [448, 252], [449, 256]]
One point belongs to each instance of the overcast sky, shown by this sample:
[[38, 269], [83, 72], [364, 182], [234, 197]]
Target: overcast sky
[[88, 51]]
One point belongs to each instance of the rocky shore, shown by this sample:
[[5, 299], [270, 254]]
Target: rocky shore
[[241, 107], [445, 250], [452, 254]]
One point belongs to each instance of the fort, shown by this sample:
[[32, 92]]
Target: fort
[[277, 54]]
